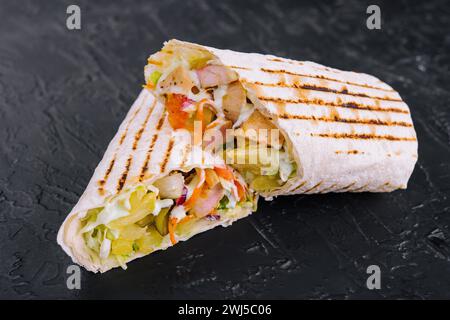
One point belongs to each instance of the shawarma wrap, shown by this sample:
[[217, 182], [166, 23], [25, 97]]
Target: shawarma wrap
[[339, 131], [153, 187]]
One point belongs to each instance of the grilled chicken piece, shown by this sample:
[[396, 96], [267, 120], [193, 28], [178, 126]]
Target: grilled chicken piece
[[215, 134], [208, 201], [179, 78], [234, 100], [214, 75], [171, 186], [257, 121]]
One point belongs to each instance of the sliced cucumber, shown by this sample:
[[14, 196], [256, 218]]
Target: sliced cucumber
[[162, 221], [264, 183], [148, 220]]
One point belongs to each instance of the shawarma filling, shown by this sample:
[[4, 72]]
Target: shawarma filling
[[138, 220], [195, 87]]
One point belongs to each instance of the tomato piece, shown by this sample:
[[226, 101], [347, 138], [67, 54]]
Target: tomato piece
[[177, 117]]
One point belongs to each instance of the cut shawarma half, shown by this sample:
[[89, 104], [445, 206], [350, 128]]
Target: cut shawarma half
[[338, 131], [153, 188]]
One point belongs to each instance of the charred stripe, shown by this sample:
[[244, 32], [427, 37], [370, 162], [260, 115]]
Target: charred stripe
[[324, 78], [376, 122], [323, 89], [348, 105], [361, 136], [167, 155]]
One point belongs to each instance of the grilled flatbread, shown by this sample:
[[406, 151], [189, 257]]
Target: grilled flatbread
[[152, 188], [340, 131]]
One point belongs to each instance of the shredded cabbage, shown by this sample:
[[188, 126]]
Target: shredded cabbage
[[286, 166], [105, 248], [179, 212], [116, 208]]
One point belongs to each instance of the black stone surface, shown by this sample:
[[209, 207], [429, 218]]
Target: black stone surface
[[63, 94]]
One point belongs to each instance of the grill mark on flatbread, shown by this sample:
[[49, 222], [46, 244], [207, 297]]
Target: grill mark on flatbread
[[238, 67], [362, 136], [320, 88], [300, 63], [124, 135], [345, 188], [327, 189], [311, 189], [336, 118], [360, 188], [123, 178], [151, 147], [102, 182], [387, 184], [285, 61], [167, 155], [138, 135], [349, 152], [185, 155], [313, 65], [347, 105], [282, 71], [299, 186]]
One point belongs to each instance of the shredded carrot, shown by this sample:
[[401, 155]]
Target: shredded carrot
[[195, 195], [224, 172], [240, 189], [172, 225], [186, 219]]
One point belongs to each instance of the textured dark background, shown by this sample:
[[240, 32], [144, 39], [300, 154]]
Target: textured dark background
[[63, 94]]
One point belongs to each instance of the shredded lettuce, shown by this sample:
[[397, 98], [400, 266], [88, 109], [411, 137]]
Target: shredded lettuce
[[116, 208], [122, 261], [107, 230], [179, 212], [105, 248], [286, 166]]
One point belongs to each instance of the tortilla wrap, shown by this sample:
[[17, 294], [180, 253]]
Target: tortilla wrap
[[348, 131], [144, 149]]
